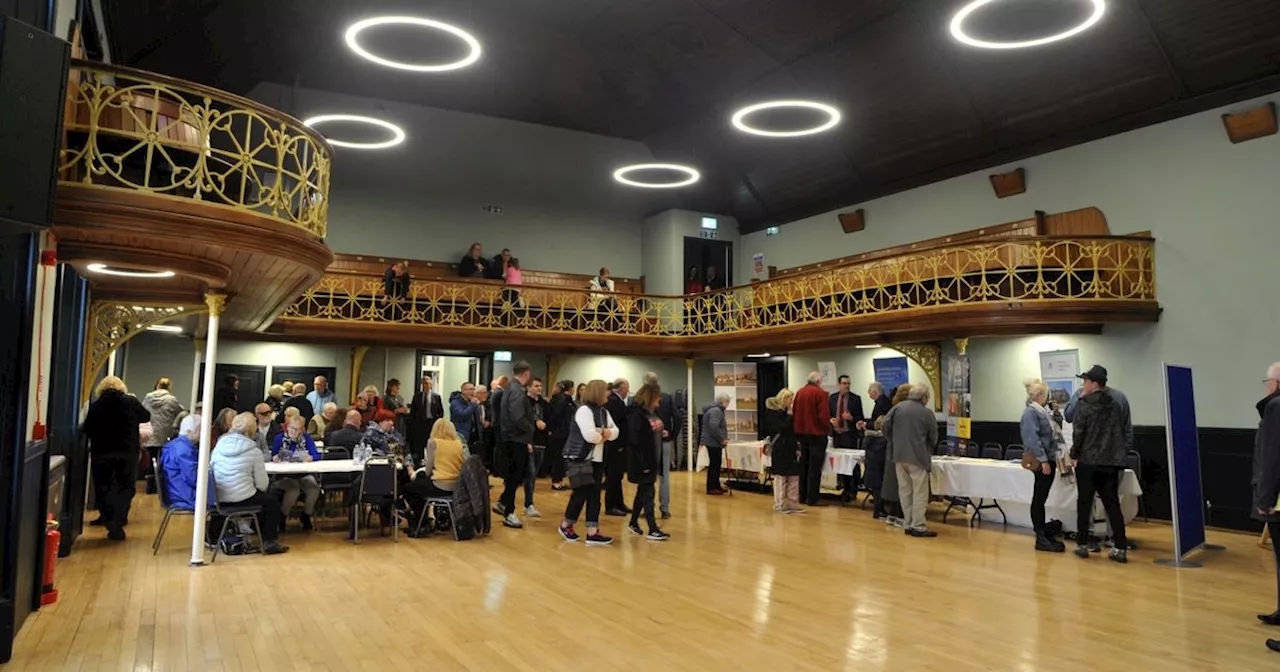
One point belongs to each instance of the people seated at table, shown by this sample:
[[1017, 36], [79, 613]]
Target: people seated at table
[[713, 438], [1099, 443], [266, 429], [180, 463], [598, 299], [644, 459], [584, 456], [1043, 441], [381, 434], [320, 393], [438, 473], [811, 419], [295, 445], [240, 479], [222, 423], [463, 411], [912, 430], [473, 264], [846, 416], [275, 399], [319, 425], [349, 434], [299, 401], [784, 451]]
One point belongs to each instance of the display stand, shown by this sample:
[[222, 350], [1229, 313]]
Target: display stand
[[741, 416], [1182, 434]]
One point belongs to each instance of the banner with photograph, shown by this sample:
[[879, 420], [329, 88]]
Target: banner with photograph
[[1058, 369], [959, 430], [890, 372], [738, 381]]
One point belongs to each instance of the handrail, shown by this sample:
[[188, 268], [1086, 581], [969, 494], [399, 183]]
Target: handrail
[[1101, 268], [145, 132]]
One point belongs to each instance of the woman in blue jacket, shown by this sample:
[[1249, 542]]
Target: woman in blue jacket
[[1040, 437]]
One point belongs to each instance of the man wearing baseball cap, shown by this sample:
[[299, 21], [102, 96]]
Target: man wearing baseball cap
[[1102, 433]]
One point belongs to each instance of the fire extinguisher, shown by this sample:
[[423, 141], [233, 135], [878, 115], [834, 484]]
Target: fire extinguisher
[[52, 539]]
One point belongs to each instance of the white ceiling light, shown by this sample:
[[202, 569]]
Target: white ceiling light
[[397, 134], [106, 270], [867, 346], [957, 27], [472, 43], [166, 328], [833, 118], [691, 175]]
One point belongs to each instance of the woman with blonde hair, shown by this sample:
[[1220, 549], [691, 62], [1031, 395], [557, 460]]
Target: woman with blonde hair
[[784, 451], [1041, 439], [441, 465], [275, 398], [111, 426]]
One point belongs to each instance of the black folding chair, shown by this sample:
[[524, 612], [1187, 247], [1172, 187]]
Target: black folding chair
[[162, 488], [235, 514], [992, 451], [335, 483], [378, 487], [1014, 452], [436, 503]]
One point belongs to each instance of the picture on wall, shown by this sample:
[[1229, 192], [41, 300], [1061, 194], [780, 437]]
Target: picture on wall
[[737, 380]]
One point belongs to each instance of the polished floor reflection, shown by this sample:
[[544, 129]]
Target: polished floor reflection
[[737, 588]]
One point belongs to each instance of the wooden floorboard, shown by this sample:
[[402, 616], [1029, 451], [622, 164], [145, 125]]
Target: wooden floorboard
[[737, 588]]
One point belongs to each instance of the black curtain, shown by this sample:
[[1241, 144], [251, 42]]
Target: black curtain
[[70, 323]]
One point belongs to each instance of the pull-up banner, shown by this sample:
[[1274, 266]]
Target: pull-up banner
[[1184, 462]]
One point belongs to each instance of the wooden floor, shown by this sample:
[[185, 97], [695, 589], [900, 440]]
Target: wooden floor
[[737, 588]]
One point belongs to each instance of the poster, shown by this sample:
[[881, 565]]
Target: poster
[[1058, 369], [958, 407], [758, 258], [741, 416], [830, 379], [890, 372]]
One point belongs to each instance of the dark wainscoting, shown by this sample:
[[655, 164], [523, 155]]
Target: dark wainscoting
[[1226, 456]]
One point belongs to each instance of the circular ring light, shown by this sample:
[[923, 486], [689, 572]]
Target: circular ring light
[[129, 273], [957, 27], [397, 135], [739, 118], [691, 175], [472, 43]]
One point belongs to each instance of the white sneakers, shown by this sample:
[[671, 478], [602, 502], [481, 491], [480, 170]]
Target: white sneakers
[[532, 512], [512, 521]]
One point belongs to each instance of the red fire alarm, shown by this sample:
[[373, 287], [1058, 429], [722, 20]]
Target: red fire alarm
[[48, 257]]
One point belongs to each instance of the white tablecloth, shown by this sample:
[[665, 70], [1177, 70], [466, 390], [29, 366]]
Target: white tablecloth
[[1011, 485], [318, 467]]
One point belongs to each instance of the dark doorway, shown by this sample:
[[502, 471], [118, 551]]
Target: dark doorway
[[302, 374], [431, 362], [771, 377], [253, 383], [705, 253]]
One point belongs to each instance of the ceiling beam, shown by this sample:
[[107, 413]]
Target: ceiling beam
[[1170, 68]]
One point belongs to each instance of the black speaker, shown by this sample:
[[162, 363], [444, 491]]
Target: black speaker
[[33, 82]]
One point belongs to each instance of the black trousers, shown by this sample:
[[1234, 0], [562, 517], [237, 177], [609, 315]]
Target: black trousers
[[115, 480], [1274, 529], [1105, 481], [1040, 495], [813, 454], [513, 459], [588, 495], [555, 458], [270, 516], [714, 465], [615, 468], [644, 503]]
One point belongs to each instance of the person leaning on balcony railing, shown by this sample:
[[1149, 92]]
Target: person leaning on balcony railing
[[473, 264], [395, 282], [598, 285]]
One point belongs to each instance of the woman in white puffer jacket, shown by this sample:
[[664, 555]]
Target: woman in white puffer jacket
[[240, 478]]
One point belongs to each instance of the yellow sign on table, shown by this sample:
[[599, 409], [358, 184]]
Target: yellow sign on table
[[962, 428]]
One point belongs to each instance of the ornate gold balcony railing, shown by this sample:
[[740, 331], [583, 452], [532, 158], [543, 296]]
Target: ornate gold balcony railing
[[143, 132], [1110, 269]]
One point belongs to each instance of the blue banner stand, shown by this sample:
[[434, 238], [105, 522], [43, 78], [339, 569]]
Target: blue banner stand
[[1185, 486]]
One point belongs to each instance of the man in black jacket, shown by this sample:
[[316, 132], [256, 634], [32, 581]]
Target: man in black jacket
[[227, 396], [516, 423], [299, 401], [350, 434], [111, 427], [615, 452], [1099, 443], [498, 267], [425, 409]]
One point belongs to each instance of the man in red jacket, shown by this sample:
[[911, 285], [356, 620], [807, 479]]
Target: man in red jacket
[[812, 418]]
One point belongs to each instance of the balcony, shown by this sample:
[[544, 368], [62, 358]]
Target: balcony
[[159, 174], [1031, 284]]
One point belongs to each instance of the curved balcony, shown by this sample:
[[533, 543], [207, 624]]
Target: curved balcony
[[161, 174], [986, 288]]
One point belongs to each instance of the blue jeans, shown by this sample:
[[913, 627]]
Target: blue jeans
[[531, 473]]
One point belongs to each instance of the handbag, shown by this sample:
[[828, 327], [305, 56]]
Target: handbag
[[1029, 461], [580, 473]]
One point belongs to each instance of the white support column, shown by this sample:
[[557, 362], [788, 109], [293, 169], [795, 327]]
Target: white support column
[[691, 418], [216, 302], [195, 374]]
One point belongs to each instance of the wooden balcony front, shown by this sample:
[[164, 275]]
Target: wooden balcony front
[[1033, 284]]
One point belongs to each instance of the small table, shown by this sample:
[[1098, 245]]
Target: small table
[[313, 467]]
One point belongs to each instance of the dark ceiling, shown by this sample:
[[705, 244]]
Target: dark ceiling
[[918, 106]]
